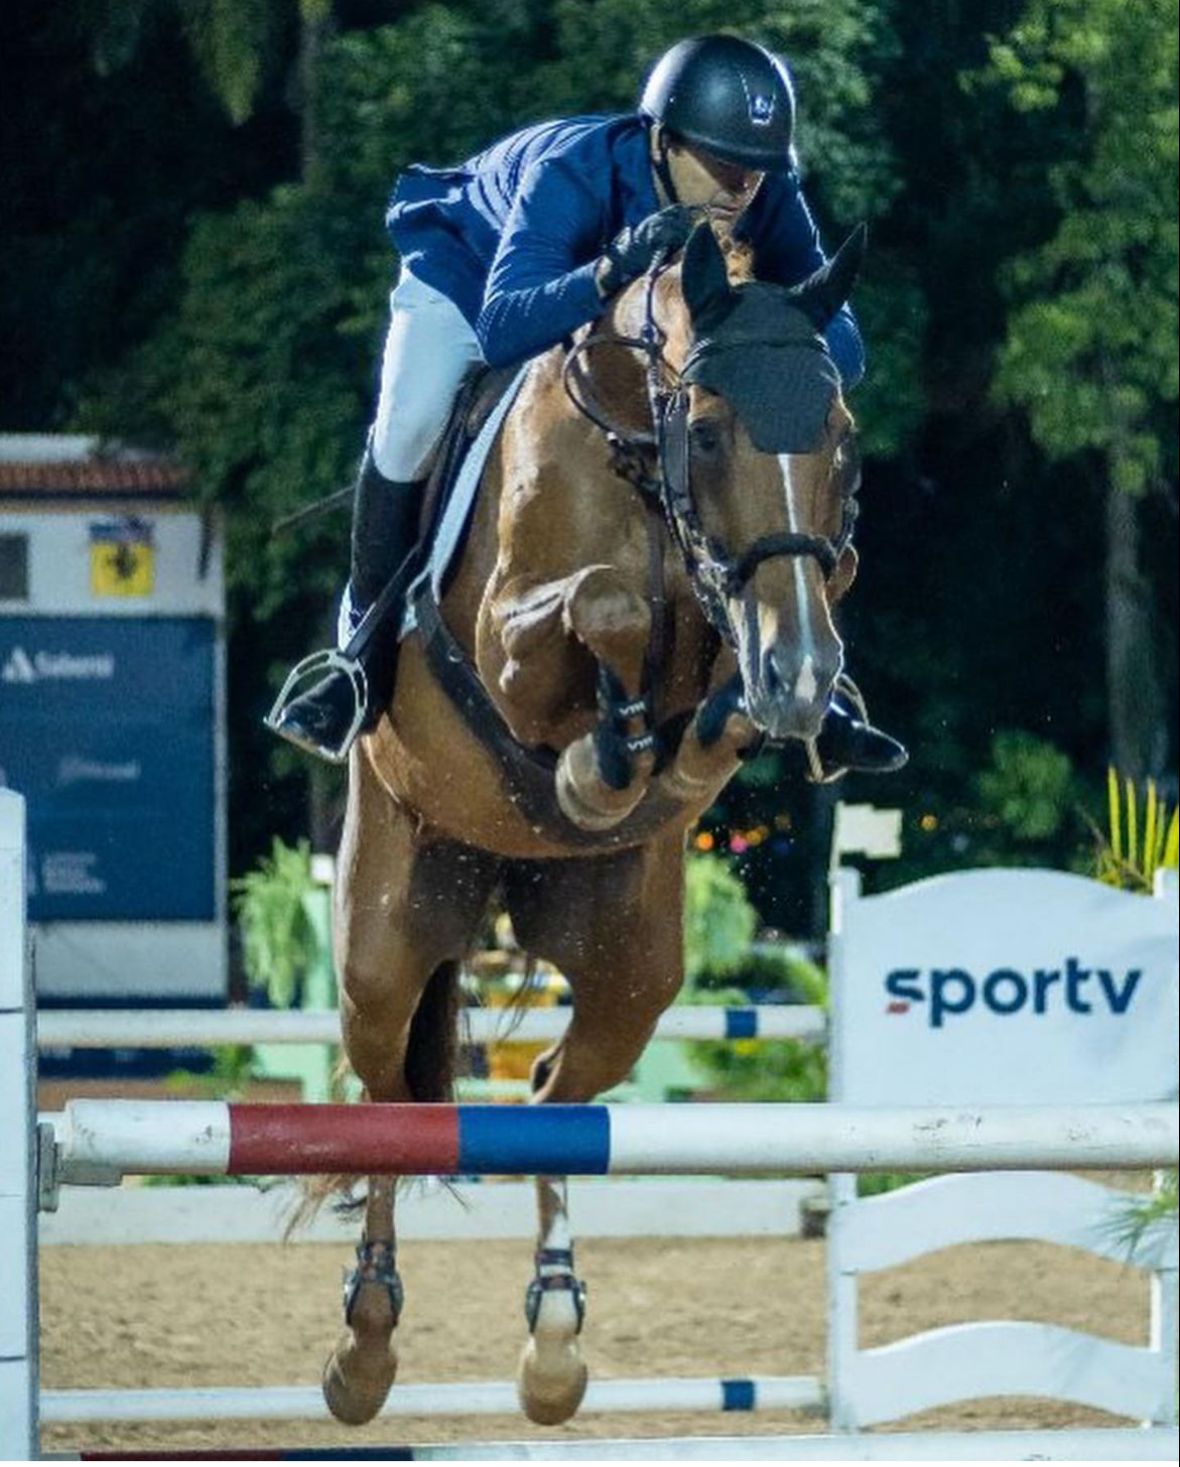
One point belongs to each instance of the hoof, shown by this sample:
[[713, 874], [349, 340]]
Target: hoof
[[363, 1366], [551, 1377], [585, 799], [356, 1383], [551, 1380]]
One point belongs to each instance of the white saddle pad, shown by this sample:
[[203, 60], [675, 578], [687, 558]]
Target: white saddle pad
[[454, 521]]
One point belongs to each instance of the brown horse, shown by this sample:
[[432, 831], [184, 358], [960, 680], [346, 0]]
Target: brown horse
[[646, 591]]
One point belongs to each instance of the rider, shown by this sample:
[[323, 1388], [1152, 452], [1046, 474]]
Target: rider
[[504, 256]]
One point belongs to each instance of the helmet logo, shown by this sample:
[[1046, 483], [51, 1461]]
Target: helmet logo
[[761, 109]]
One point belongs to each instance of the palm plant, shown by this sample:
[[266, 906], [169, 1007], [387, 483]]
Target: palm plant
[[1142, 837]]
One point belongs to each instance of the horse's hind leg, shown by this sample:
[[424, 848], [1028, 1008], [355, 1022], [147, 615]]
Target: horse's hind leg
[[407, 908], [612, 924]]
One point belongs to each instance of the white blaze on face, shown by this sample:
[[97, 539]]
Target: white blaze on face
[[806, 684]]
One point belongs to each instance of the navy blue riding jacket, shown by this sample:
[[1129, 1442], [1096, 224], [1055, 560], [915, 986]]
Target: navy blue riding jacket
[[512, 235]]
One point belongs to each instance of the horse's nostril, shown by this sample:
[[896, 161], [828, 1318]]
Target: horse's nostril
[[782, 676]]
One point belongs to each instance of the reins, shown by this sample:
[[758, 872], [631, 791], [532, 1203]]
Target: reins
[[714, 573]]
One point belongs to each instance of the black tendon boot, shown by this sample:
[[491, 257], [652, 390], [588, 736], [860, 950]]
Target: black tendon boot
[[849, 741], [350, 699]]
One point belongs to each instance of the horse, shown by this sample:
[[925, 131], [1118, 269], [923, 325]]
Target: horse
[[646, 592]]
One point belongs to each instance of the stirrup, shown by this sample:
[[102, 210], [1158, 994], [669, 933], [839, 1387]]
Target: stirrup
[[816, 773], [853, 695], [320, 663]]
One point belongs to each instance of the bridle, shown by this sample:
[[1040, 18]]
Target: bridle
[[715, 574]]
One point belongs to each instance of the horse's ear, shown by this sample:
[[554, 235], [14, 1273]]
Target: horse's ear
[[821, 295], [704, 279]]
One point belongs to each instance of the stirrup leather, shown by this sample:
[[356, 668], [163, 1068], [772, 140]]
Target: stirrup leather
[[317, 664]]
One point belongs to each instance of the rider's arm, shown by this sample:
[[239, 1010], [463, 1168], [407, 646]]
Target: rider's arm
[[788, 250], [541, 285]]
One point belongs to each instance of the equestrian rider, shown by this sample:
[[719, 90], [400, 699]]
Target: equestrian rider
[[506, 255]]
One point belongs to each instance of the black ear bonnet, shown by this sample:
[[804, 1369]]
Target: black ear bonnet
[[771, 365], [761, 346]]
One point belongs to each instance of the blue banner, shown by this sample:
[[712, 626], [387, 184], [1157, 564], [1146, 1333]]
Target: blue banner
[[107, 727]]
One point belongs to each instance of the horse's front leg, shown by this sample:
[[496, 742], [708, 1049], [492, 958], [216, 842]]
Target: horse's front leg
[[601, 775], [552, 1376], [719, 735]]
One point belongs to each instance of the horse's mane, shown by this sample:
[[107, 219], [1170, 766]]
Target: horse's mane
[[739, 266]]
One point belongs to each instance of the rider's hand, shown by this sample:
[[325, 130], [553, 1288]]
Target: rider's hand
[[635, 248]]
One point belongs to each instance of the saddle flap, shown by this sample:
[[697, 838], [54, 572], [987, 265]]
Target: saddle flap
[[479, 411], [475, 403]]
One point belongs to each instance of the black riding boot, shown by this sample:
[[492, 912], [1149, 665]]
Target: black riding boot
[[385, 519], [849, 741]]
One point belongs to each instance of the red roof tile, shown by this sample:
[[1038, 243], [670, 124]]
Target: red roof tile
[[86, 478]]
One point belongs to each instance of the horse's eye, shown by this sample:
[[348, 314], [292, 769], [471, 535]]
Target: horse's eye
[[847, 465], [706, 437]]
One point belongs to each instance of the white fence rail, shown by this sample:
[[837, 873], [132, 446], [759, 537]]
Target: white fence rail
[[177, 1028]]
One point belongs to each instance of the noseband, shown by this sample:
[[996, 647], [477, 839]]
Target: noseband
[[715, 574]]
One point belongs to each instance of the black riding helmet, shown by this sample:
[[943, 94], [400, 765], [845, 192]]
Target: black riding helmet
[[728, 96]]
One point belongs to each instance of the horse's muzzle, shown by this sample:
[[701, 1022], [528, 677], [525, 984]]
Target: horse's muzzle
[[789, 696]]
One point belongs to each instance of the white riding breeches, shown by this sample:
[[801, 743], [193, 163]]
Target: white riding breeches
[[430, 348]]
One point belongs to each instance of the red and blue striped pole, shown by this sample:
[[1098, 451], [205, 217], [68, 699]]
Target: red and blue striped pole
[[222, 1139]]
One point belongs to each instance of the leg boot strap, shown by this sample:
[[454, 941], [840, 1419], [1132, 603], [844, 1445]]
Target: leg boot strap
[[561, 1279], [376, 1263]]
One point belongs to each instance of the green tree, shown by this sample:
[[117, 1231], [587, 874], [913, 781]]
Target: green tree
[[241, 48], [237, 43], [1090, 353]]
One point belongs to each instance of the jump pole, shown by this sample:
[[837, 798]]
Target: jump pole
[[196, 1028], [100, 1140], [1095, 1444], [743, 1395]]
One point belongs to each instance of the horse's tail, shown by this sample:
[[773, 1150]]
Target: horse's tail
[[433, 1049]]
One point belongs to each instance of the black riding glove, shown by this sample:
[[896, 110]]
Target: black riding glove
[[634, 249]]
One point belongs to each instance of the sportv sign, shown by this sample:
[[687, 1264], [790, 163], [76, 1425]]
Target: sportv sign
[[1002, 987], [949, 992]]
